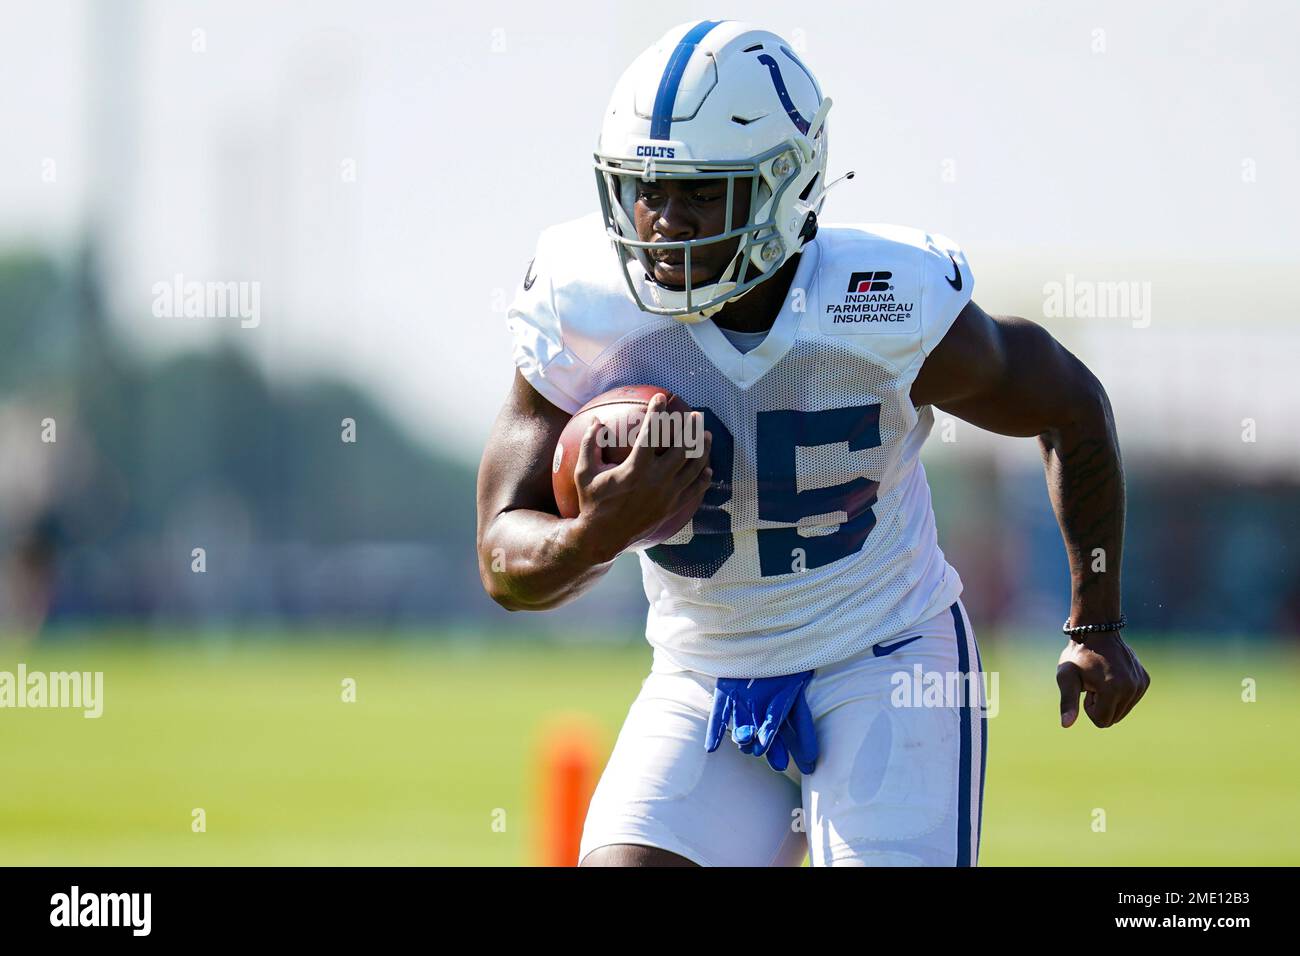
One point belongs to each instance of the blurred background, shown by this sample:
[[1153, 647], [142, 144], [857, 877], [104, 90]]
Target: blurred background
[[367, 182]]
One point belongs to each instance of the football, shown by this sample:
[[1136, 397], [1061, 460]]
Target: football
[[621, 411]]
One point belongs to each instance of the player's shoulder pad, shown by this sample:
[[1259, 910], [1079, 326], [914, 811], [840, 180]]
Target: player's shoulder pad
[[576, 257], [571, 304], [881, 261]]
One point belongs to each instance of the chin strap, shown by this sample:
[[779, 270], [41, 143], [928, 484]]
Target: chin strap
[[723, 286]]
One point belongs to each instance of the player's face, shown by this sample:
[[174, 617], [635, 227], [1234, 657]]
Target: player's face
[[673, 210]]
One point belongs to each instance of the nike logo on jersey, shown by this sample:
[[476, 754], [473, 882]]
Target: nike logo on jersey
[[884, 650], [529, 278], [955, 281]]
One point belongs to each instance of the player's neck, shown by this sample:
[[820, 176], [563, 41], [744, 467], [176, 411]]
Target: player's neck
[[757, 309]]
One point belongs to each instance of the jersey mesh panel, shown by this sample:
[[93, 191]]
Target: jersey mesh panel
[[841, 600]]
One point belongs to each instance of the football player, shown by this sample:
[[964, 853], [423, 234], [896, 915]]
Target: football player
[[809, 587]]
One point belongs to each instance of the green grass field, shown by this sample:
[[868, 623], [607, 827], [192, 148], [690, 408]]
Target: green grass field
[[444, 734]]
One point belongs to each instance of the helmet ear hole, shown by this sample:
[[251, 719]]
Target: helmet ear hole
[[808, 190]]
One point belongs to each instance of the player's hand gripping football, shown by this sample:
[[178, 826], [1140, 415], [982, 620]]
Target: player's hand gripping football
[[1107, 671], [621, 504]]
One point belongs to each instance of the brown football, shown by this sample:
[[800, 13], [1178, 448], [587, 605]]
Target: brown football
[[621, 411]]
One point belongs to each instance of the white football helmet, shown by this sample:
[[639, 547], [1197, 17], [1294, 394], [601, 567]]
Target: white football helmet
[[715, 100]]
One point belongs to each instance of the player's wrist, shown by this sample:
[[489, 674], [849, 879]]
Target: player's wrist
[[590, 542], [1081, 629]]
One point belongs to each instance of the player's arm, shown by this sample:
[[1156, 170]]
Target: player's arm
[[532, 559], [529, 558], [1010, 376]]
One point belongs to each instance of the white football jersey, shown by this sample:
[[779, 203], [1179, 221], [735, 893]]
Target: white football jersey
[[817, 538]]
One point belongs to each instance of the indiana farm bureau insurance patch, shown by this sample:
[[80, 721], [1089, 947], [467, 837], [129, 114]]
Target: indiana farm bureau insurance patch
[[875, 298]]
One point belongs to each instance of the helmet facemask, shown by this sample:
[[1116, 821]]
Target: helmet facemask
[[761, 249]]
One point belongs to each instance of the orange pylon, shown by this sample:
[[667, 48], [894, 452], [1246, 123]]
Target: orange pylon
[[569, 763]]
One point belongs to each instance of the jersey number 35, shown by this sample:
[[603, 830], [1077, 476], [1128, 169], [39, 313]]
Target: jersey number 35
[[781, 550]]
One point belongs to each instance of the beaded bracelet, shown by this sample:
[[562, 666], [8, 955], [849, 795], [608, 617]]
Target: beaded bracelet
[[1093, 628]]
